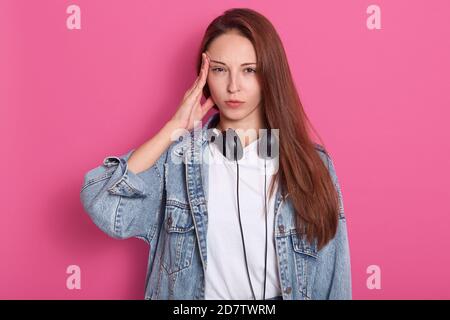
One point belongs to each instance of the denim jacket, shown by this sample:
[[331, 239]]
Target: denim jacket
[[166, 206]]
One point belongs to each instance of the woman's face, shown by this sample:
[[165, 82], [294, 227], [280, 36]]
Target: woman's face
[[232, 76]]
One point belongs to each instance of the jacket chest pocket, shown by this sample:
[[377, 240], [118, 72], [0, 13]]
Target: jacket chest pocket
[[305, 261], [179, 241]]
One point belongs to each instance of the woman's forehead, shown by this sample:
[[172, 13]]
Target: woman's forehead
[[232, 49]]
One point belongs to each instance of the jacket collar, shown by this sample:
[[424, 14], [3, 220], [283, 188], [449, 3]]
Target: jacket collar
[[200, 138]]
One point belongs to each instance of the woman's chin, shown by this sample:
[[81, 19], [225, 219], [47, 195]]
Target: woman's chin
[[232, 114]]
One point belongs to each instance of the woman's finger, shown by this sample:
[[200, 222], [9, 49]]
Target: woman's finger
[[202, 78], [208, 104], [193, 95], [196, 93], [198, 96], [199, 76], [188, 92]]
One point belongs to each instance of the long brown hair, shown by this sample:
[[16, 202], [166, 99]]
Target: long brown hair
[[302, 175]]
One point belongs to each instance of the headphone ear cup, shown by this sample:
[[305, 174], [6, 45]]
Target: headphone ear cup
[[213, 136], [268, 143], [226, 141], [233, 149]]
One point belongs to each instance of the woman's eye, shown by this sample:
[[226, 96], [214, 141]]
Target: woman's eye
[[218, 69]]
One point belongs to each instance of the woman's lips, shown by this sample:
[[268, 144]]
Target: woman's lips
[[234, 104]]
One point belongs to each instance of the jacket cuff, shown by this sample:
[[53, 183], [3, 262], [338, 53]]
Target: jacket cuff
[[129, 183]]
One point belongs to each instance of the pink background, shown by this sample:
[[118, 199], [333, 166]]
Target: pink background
[[379, 99]]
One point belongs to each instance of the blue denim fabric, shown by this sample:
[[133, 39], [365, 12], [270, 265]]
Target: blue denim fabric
[[166, 207]]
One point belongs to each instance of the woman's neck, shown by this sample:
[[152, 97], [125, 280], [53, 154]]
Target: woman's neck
[[247, 130]]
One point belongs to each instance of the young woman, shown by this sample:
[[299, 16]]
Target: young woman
[[216, 229]]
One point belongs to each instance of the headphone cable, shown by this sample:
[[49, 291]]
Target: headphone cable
[[240, 223], [265, 207]]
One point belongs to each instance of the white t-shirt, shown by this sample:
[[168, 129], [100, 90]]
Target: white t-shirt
[[226, 274]]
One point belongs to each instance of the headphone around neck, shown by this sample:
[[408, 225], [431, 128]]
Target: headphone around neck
[[229, 144]]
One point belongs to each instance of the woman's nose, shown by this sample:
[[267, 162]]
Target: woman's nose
[[233, 85]]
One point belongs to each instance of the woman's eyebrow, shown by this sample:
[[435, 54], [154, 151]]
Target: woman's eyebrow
[[244, 64]]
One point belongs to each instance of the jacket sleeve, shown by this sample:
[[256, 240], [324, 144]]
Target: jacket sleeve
[[333, 278], [121, 203]]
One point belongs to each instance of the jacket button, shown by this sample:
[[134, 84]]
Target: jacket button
[[288, 290], [169, 221], [281, 228]]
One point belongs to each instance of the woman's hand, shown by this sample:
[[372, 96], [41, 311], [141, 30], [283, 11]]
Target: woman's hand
[[190, 109]]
